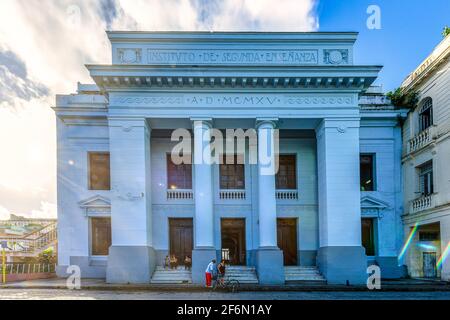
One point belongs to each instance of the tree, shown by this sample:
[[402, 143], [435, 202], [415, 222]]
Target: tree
[[403, 100], [446, 31]]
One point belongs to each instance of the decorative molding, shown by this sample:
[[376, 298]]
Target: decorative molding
[[235, 100], [372, 208], [336, 56], [127, 128], [96, 206], [341, 129], [129, 56]]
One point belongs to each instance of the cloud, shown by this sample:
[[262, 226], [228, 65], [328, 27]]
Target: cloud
[[14, 81], [4, 213], [259, 15], [44, 45]]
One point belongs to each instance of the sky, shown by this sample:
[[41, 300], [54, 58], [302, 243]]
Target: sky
[[44, 45]]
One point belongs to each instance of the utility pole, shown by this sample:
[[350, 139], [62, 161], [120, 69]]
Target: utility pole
[[4, 245]]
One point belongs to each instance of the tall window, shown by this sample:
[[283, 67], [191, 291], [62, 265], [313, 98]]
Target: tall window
[[99, 171], [232, 173], [100, 236], [286, 178], [426, 179], [368, 236], [367, 167], [426, 114], [179, 176]]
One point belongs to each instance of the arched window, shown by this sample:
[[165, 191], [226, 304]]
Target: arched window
[[426, 114]]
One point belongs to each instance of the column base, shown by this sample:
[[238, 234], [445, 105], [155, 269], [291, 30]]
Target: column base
[[130, 264], [201, 257], [342, 265], [270, 266]]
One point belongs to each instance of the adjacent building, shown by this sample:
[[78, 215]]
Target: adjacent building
[[426, 167], [335, 204]]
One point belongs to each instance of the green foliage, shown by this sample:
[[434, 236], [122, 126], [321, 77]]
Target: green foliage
[[47, 256], [446, 31], [403, 100]]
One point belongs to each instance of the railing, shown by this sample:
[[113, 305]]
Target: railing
[[423, 203], [232, 195], [33, 243], [28, 268], [421, 140], [287, 195], [180, 195]]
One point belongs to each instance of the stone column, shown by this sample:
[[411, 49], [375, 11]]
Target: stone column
[[341, 257], [131, 256], [204, 250], [269, 258]]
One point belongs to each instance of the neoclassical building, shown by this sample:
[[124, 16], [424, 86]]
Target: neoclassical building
[[426, 167], [333, 207]]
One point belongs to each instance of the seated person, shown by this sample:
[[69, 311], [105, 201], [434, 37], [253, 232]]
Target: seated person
[[173, 262], [167, 262], [188, 263]]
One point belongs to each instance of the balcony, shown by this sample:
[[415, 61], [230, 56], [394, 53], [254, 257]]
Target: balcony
[[422, 140], [232, 195], [179, 195], [422, 203], [288, 195]]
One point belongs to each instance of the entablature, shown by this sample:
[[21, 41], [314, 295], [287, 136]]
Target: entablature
[[357, 78]]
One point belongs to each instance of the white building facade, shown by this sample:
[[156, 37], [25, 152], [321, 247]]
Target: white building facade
[[426, 154], [335, 203]]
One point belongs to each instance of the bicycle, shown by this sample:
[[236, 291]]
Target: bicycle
[[231, 285]]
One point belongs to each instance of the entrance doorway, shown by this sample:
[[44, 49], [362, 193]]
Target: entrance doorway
[[181, 238], [429, 265], [233, 241], [287, 240]]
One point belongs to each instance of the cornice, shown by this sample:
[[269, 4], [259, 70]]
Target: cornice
[[439, 56], [145, 76], [186, 36]]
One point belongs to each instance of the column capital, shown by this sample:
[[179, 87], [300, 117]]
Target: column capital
[[207, 122], [266, 122]]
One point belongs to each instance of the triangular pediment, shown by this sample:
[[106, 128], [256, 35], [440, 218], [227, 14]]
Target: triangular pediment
[[372, 203], [96, 202]]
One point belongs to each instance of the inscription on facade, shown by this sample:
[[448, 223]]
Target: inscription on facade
[[236, 100], [277, 57]]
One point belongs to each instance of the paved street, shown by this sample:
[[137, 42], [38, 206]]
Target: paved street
[[45, 294]]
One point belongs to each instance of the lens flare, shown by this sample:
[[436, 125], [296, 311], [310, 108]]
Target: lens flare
[[408, 242], [444, 256], [426, 246]]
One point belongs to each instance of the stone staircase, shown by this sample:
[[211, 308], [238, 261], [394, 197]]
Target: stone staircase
[[245, 275], [303, 274], [168, 276]]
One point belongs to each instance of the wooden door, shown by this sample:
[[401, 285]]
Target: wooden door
[[233, 241], [181, 238], [100, 236], [287, 240], [429, 265]]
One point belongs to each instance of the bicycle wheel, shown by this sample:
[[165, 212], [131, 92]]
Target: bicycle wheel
[[233, 286]]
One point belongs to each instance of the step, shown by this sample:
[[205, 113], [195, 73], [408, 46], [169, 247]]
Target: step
[[303, 274], [169, 276], [243, 274]]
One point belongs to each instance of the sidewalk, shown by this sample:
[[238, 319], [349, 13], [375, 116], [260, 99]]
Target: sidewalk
[[100, 285]]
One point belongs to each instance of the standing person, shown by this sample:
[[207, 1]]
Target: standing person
[[210, 272], [221, 271]]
